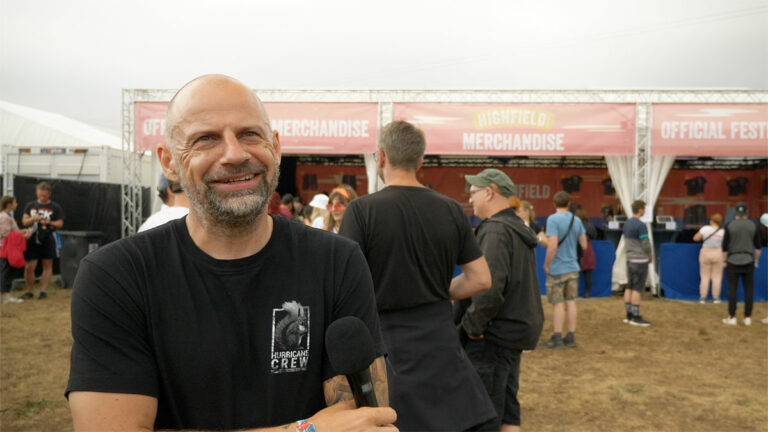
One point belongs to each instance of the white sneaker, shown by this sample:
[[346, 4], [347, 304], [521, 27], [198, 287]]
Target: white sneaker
[[729, 320], [716, 301], [12, 299], [702, 301], [747, 321]]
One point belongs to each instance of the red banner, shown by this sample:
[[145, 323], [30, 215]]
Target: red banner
[[304, 128], [523, 129], [149, 125], [710, 130]]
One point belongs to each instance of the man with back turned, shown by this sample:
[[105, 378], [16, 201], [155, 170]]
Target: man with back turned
[[216, 321], [412, 238]]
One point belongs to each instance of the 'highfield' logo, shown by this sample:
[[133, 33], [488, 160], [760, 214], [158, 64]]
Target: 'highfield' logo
[[513, 117]]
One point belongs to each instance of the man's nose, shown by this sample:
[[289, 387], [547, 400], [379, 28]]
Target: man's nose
[[234, 151]]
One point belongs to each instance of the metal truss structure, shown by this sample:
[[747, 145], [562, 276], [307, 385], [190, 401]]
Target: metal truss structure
[[132, 206]]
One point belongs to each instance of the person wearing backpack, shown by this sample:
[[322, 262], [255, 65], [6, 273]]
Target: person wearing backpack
[[564, 232]]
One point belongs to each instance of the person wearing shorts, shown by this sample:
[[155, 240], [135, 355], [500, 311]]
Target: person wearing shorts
[[639, 256], [564, 232], [44, 217]]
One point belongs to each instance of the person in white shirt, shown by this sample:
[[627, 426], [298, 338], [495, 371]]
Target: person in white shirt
[[319, 213], [711, 258], [175, 204]]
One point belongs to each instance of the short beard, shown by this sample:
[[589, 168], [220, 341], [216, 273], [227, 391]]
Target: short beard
[[237, 211]]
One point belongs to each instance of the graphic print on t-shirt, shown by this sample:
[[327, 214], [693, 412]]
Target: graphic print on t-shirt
[[290, 338]]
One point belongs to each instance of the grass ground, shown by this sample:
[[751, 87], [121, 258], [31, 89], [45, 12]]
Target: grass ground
[[688, 372]]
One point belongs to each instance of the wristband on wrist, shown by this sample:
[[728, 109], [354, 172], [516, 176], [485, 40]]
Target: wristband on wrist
[[305, 426]]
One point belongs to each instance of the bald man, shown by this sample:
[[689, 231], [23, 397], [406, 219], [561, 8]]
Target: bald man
[[217, 320]]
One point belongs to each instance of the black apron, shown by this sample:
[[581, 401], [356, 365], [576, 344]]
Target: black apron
[[433, 386]]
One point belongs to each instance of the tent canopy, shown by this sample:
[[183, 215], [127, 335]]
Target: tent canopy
[[29, 127]]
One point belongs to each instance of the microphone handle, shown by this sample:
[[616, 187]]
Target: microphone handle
[[362, 389]]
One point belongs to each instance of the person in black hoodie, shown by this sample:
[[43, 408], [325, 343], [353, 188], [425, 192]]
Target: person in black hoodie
[[498, 324]]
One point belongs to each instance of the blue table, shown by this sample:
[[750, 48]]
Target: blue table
[[680, 279]]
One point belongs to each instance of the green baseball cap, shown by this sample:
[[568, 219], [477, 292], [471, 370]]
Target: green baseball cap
[[491, 177]]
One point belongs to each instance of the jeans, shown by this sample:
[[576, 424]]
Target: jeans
[[747, 273]]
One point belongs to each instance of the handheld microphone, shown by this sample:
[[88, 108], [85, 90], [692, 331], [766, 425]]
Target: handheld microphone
[[350, 351]]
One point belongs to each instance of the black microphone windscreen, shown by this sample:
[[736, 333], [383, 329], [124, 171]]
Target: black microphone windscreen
[[349, 345]]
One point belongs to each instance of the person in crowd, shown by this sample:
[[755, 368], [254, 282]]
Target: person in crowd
[[639, 257], [169, 332], [741, 253], [44, 217], [412, 238], [587, 262], [286, 207], [319, 206], [175, 204], [338, 201], [502, 322], [764, 222], [564, 232], [306, 215], [298, 206], [8, 225], [526, 213], [274, 204], [711, 258]]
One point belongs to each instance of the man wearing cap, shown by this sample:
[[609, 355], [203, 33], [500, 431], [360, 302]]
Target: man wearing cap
[[217, 321], [500, 323], [564, 231], [412, 238], [175, 204], [741, 252]]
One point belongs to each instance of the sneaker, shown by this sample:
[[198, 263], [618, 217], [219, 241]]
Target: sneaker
[[639, 321], [12, 299], [570, 342], [553, 343], [716, 301], [747, 321], [729, 320], [702, 301], [627, 318], [42, 295], [27, 295], [764, 320]]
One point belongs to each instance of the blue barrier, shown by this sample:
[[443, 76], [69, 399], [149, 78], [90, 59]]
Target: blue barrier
[[605, 255], [680, 273]]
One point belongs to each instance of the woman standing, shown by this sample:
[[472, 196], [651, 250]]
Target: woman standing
[[7, 225], [587, 262], [338, 201], [711, 258], [525, 212]]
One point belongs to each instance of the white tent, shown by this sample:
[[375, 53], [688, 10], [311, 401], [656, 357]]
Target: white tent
[[43, 144], [29, 127]]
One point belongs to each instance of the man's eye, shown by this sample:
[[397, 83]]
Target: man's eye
[[251, 134]]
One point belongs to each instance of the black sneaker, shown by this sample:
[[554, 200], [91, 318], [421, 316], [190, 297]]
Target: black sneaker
[[42, 295], [628, 318], [639, 321], [553, 343], [27, 295], [570, 342]]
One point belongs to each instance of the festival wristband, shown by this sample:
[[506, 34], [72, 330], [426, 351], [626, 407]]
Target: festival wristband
[[304, 426]]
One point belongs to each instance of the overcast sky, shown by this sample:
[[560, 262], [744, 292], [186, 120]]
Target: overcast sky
[[73, 57]]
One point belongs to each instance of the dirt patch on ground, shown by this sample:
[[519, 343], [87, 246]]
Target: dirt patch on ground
[[687, 372]]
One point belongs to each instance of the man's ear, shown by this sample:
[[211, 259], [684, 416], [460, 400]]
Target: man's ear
[[276, 146], [166, 162], [382, 157]]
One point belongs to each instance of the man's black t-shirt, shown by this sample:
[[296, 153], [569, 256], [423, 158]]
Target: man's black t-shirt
[[51, 212], [410, 267], [222, 344]]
